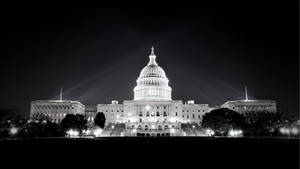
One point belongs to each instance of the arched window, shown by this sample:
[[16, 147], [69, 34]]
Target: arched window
[[141, 113], [146, 127], [147, 114], [165, 113], [157, 114], [176, 114]]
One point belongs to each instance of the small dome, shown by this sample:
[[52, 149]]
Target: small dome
[[152, 84]]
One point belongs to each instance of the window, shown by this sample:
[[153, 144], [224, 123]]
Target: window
[[146, 127], [176, 114], [165, 113], [187, 116], [193, 116], [199, 116], [147, 114], [141, 113], [157, 114], [165, 107], [159, 127]]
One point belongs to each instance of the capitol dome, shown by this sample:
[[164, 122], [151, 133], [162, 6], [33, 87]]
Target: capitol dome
[[152, 84]]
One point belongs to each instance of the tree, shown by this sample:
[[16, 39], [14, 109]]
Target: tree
[[100, 120], [261, 122], [222, 120], [72, 121]]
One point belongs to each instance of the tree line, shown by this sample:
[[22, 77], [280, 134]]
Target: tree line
[[40, 125], [262, 123]]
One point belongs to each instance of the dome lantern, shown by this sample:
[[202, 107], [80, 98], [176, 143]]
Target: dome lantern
[[152, 57]]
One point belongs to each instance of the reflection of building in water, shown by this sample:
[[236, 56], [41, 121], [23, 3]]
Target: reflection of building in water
[[151, 112]]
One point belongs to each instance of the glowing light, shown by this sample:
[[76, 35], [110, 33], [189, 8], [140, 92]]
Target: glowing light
[[13, 131], [72, 133], [97, 132], [134, 130], [193, 126], [284, 130], [235, 133], [210, 132], [172, 130], [118, 116], [172, 119], [294, 130], [152, 127], [147, 107], [112, 126]]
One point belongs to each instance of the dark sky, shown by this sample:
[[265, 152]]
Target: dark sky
[[95, 52]]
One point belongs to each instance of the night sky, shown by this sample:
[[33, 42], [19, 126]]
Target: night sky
[[95, 52]]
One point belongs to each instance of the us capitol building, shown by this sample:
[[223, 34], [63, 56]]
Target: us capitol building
[[152, 112]]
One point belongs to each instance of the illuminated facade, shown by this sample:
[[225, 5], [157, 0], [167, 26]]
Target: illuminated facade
[[250, 106], [152, 112], [247, 106], [56, 110]]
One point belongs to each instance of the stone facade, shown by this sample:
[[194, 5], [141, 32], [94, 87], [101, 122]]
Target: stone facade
[[244, 106], [56, 110]]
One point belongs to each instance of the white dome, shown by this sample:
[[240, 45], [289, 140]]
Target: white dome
[[152, 84]]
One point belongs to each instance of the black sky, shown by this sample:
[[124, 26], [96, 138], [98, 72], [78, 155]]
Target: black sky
[[96, 51]]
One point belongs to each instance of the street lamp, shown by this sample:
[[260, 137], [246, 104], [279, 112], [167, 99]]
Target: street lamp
[[210, 132], [235, 133], [73, 133], [97, 132], [13, 131]]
